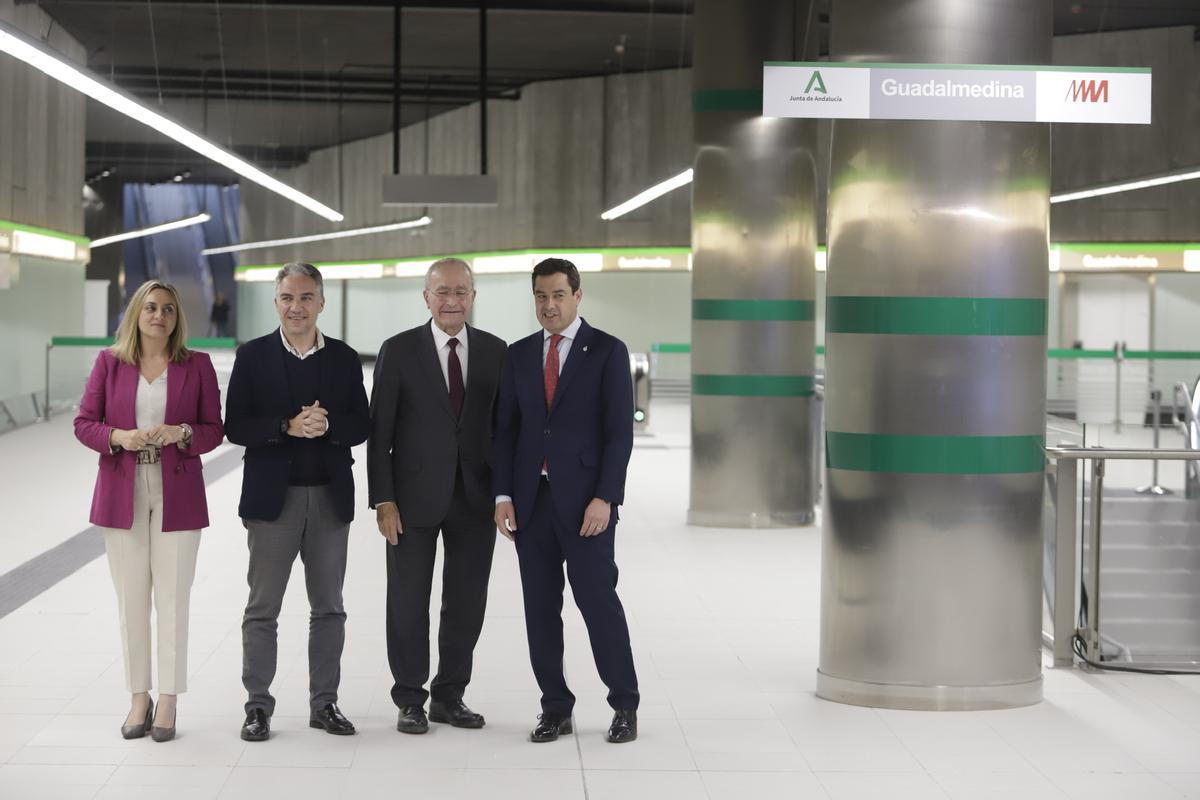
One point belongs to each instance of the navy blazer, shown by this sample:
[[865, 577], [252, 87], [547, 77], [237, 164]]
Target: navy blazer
[[257, 400], [586, 436]]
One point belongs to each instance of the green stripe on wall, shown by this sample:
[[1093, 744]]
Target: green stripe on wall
[[753, 385], [728, 100], [670, 347], [18, 226], [754, 310], [1161, 355], [937, 316], [945, 455]]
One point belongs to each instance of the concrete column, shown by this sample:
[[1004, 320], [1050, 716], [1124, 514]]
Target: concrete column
[[935, 377], [753, 242]]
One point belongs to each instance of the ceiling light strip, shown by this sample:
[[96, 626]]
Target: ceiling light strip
[[153, 229], [36, 55], [318, 237], [653, 193], [1127, 186]]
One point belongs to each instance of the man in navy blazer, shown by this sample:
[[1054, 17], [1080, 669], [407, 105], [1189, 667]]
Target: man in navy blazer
[[564, 434], [296, 403]]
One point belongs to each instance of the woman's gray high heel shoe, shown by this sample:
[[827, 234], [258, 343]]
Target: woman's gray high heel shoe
[[140, 729], [162, 734]]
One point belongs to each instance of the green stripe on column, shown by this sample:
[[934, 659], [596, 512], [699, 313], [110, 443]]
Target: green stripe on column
[[947, 455], [753, 385], [728, 100], [754, 310], [937, 316]]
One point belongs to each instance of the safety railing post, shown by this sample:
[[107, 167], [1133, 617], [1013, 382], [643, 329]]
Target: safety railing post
[[1066, 478], [46, 402], [1093, 600]]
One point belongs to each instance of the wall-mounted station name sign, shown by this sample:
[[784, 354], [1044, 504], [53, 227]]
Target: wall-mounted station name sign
[[855, 90]]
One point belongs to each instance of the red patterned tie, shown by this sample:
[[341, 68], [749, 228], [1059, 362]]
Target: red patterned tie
[[454, 367], [550, 380]]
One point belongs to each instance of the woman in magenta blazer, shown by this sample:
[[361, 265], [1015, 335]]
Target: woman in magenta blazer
[[151, 408]]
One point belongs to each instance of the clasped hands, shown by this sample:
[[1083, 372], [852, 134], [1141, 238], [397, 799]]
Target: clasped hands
[[138, 439], [310, 423], [595, 518]]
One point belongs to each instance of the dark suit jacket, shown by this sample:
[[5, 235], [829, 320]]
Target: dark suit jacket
[[259, 397], [416, 444], [586, 436]]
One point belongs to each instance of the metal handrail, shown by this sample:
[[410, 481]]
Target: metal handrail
[[1189, 426], [1066, 461]]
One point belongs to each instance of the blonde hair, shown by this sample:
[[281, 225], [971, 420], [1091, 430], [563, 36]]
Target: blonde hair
[[128, 344]]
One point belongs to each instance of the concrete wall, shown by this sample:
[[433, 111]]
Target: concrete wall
[[1087, 155], [569, 149], [41, 180], [562, 154], [41, 132]]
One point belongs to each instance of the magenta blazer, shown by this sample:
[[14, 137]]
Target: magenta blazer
[[109, 402]]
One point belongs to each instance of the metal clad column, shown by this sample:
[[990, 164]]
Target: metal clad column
[[935, 377], [754, 243]]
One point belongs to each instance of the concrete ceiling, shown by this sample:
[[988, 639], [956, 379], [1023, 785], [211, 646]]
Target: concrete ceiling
[[275, 80]]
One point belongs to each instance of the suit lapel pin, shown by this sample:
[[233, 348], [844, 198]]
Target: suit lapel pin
[[585, 347]]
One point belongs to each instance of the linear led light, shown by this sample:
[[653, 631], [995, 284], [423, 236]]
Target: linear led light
[[1127, 186], [153, 229], [318, 237], [653, 193], [36, 55], [30, 243], [341, 272]]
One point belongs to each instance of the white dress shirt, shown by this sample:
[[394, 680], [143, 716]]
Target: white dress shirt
[[441, 341], [319, 345], [150, 403], [564, 344]]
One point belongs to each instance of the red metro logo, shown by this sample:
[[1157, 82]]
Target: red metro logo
[[1087, 92]]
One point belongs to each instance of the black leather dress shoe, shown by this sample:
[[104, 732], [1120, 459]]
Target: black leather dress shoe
[[549, 727], [624, 726], [257, 727], [331, 719], [412, 720], [455, 713]]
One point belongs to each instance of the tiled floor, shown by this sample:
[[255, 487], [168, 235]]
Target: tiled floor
[[724, 626]]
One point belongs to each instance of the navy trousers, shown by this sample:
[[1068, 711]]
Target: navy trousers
[[543, 545]]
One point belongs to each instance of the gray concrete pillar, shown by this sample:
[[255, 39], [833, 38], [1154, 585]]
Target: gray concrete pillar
[[753, 283], [935, 377]]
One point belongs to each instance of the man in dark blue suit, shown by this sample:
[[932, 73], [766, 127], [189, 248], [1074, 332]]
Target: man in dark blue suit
[[564, 434]]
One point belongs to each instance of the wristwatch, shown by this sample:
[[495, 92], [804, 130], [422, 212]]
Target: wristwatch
[[283, 426], [186, 441]]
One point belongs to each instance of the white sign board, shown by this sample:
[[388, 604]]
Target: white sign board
[[845, 90]]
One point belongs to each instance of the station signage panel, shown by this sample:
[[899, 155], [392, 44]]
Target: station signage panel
[[996, 93]]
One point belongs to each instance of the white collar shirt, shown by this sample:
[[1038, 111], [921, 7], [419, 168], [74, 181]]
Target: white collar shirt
[[320, 344], [564, 344]]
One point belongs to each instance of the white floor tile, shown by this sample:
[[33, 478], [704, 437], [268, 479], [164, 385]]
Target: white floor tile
[[739, 785], [725, 630], [644, 785], [874, 785], [1094, 786]]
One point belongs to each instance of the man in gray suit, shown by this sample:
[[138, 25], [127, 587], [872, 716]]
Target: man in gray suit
[[428, 471]]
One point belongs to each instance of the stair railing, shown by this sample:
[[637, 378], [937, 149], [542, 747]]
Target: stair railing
[[1066, 461], [1187, 412]]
